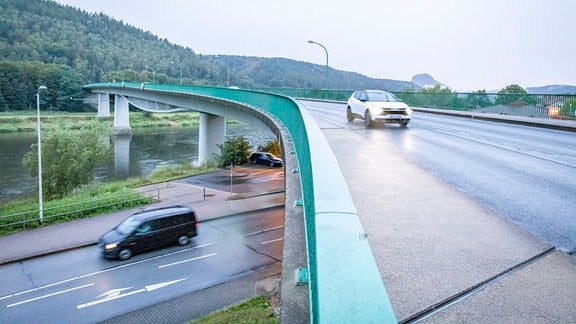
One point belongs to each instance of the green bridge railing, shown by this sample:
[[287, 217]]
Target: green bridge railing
[[344, 283], [557, 106]]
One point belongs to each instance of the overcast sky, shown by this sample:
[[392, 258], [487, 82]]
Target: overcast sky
[[468, 45]]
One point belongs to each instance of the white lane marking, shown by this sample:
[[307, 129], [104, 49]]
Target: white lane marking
[[106, 270], [272, 241], [117, 293], [264, 230], [49, 295], [113, 292], [187, 260]]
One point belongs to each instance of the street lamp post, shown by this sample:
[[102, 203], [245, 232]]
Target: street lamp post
[[326, 71], [40, 206]]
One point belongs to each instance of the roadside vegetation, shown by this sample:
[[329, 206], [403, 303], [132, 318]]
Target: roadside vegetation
[[255, 310], [90, 200], [70, 155], [25, 121]]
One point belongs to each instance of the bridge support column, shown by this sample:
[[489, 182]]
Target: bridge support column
[[121, 116], [211, 134], [122, 155], [103, 105]]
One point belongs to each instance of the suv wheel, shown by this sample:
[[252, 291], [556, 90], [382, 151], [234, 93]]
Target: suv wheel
[[349, 114], [367, 119]]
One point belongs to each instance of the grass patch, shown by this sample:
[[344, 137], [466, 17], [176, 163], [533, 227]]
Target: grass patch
[[255, 310], [22, 214], [96, 199], [26, 121]]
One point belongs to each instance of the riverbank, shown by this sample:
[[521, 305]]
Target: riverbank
[[17, 215], [14, 122]]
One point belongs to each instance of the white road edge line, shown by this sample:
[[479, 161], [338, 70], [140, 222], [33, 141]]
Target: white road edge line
[[264, 230], [272, 241], [49, 295], [187, 260]]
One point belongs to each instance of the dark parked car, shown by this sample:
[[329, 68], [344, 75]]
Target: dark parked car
[[266, 158], [149, 229]]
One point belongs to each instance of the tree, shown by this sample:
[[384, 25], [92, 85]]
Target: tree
[[569, 108], [514, 95], [234, 150], [272, 147], [478, 99], [69, 158]]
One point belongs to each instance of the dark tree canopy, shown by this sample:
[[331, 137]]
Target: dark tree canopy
[[40, 37]]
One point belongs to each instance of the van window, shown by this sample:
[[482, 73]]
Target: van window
[[146, 227], [128, 225]]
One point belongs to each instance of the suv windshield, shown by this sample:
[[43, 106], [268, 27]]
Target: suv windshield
[[381, 96], [127, 226]]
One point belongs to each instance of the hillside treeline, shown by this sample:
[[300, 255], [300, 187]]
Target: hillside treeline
[[43, 42]]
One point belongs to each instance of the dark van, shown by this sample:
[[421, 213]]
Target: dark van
[[149, 229]]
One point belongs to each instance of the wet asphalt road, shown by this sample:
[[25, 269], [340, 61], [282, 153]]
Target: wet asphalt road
[[243, 180], [526, 174]]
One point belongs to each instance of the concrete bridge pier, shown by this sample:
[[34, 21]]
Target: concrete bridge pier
[[122, 155], [211, 134], [121, 116], [103, 105]]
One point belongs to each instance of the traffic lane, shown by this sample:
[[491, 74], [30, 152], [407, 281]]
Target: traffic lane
[[154, 276], [55, 267], [110, 293], [333, 115], [524, 173], [529, 181], [553, 145]]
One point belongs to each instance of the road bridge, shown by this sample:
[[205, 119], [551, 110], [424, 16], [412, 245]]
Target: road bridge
[[338, 272], [444, 257]]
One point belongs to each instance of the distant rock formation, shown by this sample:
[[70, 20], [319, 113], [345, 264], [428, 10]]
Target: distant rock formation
[[553, 89], [425, 80]]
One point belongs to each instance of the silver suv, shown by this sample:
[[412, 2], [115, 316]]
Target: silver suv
[[377, 106]]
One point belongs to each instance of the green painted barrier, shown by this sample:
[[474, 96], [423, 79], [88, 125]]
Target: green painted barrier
[[344, 283]]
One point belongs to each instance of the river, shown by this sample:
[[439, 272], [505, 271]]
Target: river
[[135, 155]]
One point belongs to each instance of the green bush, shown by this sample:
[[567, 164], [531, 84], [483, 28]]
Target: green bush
[[235, 150], [69, 157]]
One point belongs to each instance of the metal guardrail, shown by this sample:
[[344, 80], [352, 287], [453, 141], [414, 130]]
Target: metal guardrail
[[557, 106], [344, 282], [29, 219]]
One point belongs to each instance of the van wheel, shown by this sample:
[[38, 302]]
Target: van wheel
[[183, 240], [124, 254]]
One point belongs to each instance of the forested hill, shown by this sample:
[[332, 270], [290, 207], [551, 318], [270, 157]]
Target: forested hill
[[43, 42]]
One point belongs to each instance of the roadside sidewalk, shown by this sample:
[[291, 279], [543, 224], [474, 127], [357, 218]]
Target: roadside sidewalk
[[87, 231]]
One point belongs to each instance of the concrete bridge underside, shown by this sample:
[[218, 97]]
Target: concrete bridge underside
[[213, 114]]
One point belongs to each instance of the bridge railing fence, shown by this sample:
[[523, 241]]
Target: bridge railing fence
[[11, 223], [558, 106]]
